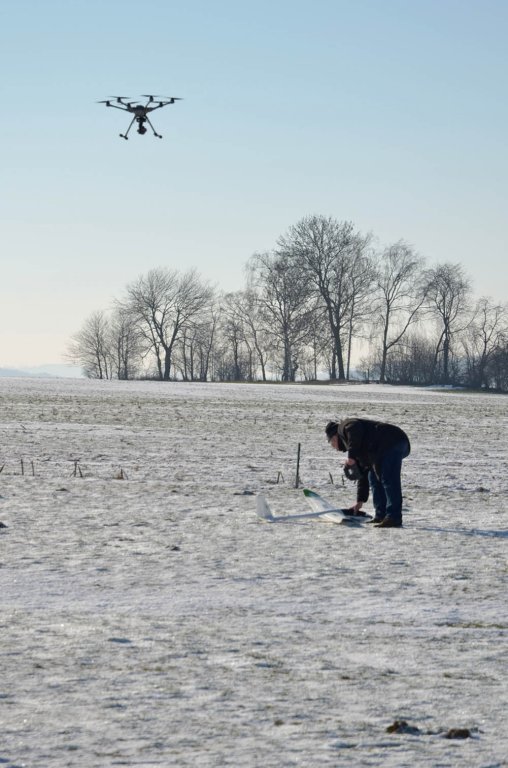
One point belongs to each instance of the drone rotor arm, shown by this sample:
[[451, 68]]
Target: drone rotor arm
[[116, 102], [165, 99], [160, 104], [124, 107]]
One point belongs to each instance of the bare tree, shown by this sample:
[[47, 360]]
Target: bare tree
[[497, 368], [235, 359], [164, 303], [329, 255], [91, 347], [448, 291], [401, 294], [315, 354], [360, 289], [126, 344], [284, 301], [485, 335], [257, 337], [411, 361], [194, 349]]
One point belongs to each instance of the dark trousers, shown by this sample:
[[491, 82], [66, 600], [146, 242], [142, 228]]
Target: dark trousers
[[387, 490]]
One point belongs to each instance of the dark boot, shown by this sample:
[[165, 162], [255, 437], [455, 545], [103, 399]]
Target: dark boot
[[389, 522], [378, 517]]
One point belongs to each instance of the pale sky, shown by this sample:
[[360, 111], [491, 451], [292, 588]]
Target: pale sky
[[389, 113]]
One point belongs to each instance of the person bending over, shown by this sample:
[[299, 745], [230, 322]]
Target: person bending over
[[374, 453]]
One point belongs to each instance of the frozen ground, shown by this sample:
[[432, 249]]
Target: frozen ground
[[154, 620]]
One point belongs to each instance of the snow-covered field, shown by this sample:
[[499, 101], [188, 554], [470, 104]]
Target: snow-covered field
[[149, 618]]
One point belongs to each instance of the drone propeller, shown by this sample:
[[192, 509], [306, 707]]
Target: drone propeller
[[158, 98]]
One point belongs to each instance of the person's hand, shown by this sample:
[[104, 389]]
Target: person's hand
[[350, 462]]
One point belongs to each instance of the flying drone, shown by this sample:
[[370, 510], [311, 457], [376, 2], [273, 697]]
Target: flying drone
[[140, 111]]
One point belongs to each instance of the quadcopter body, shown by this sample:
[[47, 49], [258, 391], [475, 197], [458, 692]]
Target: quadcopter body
[[140, 111]]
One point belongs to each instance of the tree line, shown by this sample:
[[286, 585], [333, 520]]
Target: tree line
[[321, 299]]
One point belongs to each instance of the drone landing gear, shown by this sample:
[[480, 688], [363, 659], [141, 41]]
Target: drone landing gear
[[141, 127], [125, 135], [151, 126]]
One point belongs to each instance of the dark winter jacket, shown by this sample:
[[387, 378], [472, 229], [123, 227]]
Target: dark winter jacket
[[367, 442]]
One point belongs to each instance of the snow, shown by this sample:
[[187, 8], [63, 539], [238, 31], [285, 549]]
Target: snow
[[155, 620]]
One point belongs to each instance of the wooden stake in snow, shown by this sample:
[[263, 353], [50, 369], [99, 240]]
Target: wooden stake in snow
[[297, 478]]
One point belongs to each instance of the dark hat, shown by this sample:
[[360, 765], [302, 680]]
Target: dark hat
[[331, 429]]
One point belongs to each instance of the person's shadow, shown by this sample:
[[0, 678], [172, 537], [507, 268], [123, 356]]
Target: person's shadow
[[503, 534]]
